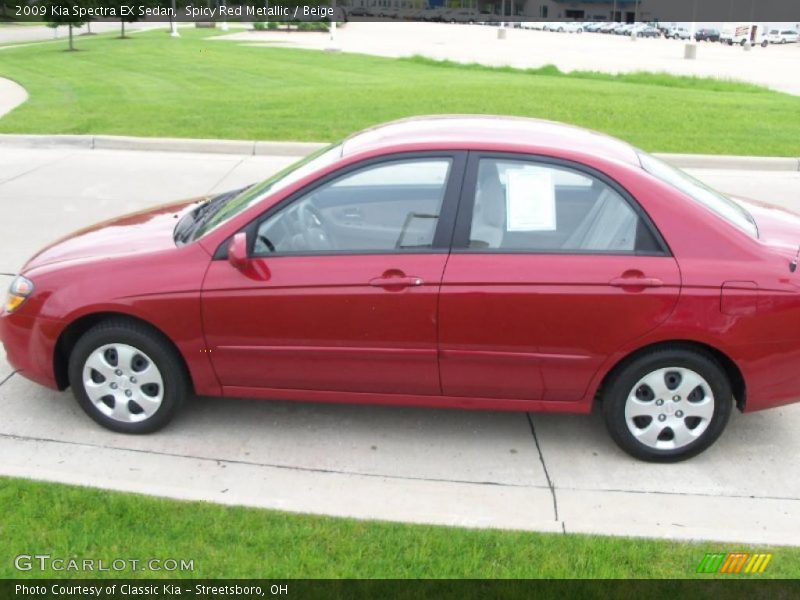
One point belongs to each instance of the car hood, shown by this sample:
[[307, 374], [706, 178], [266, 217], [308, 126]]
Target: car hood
[[145, 231]]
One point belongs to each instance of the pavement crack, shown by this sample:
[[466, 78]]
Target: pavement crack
[[678, 493], [267, 465], [225, 175], [7, 377], [544, 465], [67, 154]]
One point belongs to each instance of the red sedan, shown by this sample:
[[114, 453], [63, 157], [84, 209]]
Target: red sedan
[[466, 262]]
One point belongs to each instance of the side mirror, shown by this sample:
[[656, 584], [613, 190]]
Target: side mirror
[[237, 250]]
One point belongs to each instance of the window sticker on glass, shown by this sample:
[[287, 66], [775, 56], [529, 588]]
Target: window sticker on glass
[[530, 200]]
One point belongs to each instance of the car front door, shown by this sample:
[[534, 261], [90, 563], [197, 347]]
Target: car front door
[[554, 267], [340, 289]]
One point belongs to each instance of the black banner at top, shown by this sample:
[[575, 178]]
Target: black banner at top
[[465, 11]]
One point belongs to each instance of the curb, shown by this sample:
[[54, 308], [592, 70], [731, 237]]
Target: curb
[[118, 142], [744, 163], [264, 148]]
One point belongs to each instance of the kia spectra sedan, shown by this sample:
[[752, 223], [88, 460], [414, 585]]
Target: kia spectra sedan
[[463, 262]]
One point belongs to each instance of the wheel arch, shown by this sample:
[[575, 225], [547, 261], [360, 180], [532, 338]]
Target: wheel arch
[[73, 332], [732, 370]]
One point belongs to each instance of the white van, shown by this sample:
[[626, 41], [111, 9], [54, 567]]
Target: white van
[[782, 36]]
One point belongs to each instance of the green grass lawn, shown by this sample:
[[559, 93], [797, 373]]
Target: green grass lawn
[[233, 542], [152, 85]]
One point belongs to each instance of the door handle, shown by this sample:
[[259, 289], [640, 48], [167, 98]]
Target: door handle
[[396, 282], [636, 282]]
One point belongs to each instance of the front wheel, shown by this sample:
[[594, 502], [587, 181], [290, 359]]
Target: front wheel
[[667, 405], [127, 377]]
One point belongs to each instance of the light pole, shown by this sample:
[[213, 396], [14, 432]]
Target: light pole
[[501, 32], [333, 46], [173, 22], [224, 24]]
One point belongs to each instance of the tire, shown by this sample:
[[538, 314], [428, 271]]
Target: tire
[[137, 367], [642, 427]]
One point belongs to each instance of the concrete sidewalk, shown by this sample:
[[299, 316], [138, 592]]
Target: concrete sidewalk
[[12, 95], [479, 469]]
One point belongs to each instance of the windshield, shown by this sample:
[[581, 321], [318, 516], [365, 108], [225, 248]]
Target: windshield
[[281, 180], [700, 192]]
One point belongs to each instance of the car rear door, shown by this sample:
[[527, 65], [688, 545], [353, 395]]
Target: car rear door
[[554, 267], [341, 286]]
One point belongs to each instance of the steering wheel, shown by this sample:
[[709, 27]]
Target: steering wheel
[[266, 241], [314, 231]]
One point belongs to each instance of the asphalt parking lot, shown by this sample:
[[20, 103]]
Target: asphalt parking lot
[[510, 470], [523, 48]]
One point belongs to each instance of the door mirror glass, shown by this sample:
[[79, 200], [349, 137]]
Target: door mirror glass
[[237, 250]]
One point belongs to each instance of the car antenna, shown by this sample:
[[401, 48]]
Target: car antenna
[[793, 264]]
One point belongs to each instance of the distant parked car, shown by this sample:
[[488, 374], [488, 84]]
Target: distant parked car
[[463, 15], [707, 35], [783, 36], [595, 27], [678, 33], [610, 27], [647, 31], [571, 28]]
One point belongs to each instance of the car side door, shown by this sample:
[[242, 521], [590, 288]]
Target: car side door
[[340, 288], [554, 267]]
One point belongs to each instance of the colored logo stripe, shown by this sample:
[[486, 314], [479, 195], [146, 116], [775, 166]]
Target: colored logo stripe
[[734, 563]]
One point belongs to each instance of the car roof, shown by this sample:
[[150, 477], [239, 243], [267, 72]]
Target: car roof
[[480, 131]]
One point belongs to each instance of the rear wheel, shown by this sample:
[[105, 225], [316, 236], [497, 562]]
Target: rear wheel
[[668, 405], [127, 377]]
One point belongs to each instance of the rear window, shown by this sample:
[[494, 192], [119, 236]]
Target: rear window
[[700, 192]]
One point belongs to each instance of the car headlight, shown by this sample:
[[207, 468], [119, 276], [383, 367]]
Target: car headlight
[[20, 290]]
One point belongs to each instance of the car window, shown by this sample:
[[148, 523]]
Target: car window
[[390, 207], [529, 206], [700, 192]]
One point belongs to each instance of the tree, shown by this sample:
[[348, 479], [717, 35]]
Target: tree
[[62, 12], [128, 11]]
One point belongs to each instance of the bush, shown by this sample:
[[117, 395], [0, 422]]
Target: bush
[[260, 25], [312, 26]]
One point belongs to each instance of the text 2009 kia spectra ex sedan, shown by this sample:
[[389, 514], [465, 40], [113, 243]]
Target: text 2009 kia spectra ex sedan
[[471, 262]]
